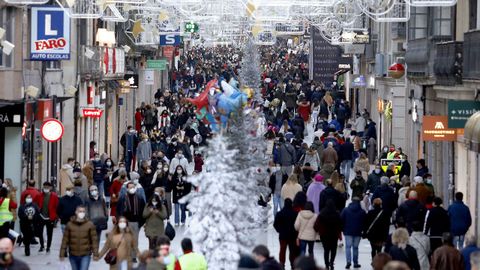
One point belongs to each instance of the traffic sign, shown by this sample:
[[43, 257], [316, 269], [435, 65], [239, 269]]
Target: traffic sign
[[170, 40], [157, 64], [52, 130]]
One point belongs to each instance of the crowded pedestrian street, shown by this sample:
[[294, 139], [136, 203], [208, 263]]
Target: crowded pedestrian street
[[239, 134]]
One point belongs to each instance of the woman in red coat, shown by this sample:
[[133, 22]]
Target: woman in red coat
[[115, 191], [304, 110], [138, 120]]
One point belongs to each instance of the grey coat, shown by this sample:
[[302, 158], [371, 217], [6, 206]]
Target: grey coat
[[144, 151], [287, 155]]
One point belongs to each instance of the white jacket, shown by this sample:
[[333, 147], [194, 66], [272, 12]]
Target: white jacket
[[421, 243], [304, 225]]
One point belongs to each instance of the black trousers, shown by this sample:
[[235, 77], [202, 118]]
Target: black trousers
[[49, 224], [329, 249]]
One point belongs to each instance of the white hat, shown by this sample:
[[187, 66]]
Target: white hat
[[418, 179], [134, 175]]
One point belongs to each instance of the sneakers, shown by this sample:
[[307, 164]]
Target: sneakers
[[348, 266], [357, 266]]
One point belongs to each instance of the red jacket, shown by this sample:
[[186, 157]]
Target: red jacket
[[35, 193], [52, 204]]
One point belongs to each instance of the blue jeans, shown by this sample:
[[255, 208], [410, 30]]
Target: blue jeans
[[277, 203], [352, 242], [345, 168], [303, 247], [183, 208], [79, 262], [101, 189], [458, 241]]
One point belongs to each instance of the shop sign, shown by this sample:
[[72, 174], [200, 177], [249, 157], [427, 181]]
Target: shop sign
[[435, 128], [170, 40], [12, 115], [92, 113], [460, 110], [50, 34], [385, 163], [160, 64], [168, 52], [191, 27], [52, 130], [132, 80], [359, 81]]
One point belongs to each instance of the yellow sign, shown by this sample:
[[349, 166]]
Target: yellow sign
[[385, 163]]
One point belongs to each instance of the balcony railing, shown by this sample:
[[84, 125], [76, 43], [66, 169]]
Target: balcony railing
[[420, 56], [471, 55], [102, 62], [90, 62], [448, 63]]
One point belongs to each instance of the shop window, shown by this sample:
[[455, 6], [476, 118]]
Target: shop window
[[7, 22], [53, 64]]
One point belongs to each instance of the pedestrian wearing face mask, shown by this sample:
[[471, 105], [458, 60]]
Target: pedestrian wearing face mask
[[29, 215], [154, 213], [48, 204], [123, 240], [139, 190], [98, 174], [67, 206], [178, 160], [180, 189], [80, 191], [66, 175], [144, 150], [131, 207], [146, 180], [6, 207], [159, 179], [7, 260], [80, 240], [108, 169], [373, 180], [97, 210]]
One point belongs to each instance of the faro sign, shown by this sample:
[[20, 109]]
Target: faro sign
[[50, 34]]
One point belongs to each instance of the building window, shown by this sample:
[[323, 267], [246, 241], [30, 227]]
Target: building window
[[7, 22], [418, 24], [53, 64], [442, 21], [473, 14]]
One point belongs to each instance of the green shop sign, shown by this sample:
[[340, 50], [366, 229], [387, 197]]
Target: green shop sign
[[157, 64], [191, 27], [459, 111]]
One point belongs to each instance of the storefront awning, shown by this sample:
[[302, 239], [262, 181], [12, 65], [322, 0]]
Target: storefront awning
[[472, 132]]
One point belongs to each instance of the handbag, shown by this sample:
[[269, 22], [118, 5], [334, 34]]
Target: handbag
[[170, 231], [111, 257]]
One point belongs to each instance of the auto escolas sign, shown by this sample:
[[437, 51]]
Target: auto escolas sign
[[50, 34]]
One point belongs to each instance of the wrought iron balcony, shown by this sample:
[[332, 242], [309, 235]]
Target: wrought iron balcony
[[420, 56], [448, 63], [471, 53], [102, 62], [90, 59]]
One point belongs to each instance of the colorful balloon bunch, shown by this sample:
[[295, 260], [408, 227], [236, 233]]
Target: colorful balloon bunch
[[218, 102]]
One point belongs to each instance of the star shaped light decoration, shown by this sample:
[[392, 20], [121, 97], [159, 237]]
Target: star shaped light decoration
[[256, 29], [137, 28]]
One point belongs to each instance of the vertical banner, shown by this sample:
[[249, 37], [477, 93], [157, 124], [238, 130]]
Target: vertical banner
[[149, 76], [50, 34]]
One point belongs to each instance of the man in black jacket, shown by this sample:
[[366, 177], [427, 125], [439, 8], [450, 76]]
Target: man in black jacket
[[284, 224], [330, 193], [438, 222], [67, 206], [411, 211]]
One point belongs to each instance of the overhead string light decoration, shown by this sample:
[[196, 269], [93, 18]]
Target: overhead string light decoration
[[82, 9]]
